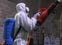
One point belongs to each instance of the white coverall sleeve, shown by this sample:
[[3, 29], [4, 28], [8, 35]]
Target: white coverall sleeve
[[17, 24], [27, 23]]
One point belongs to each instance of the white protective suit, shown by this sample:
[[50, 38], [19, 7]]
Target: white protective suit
[[22, 17]]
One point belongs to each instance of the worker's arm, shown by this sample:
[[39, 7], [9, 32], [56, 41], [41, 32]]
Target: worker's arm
[[26, 22]]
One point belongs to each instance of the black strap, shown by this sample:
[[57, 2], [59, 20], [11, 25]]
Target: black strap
[[19, 31]]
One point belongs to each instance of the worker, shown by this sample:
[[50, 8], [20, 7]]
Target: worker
[[27, 23]]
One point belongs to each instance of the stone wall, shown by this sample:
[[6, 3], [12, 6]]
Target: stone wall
[[7, 10]]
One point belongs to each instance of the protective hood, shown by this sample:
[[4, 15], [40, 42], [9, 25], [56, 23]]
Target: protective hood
[[20, 7]]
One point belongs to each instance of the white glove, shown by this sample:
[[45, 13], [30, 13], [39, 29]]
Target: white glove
[[59, 0], [37, 14]]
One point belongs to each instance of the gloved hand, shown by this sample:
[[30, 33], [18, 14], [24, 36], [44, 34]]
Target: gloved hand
[[43, 15], [36, 15], [59, 0]]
